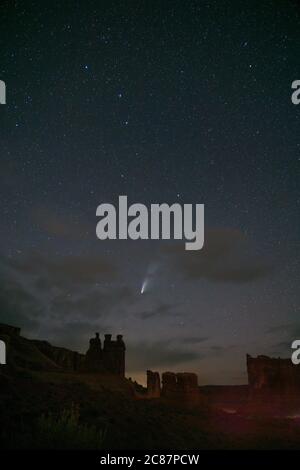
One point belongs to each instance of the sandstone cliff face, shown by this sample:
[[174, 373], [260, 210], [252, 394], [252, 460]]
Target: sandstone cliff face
[[153, 384], [273, 377], [22, 352], [64, 358], [41, 355], [180, 388], [8, 330]]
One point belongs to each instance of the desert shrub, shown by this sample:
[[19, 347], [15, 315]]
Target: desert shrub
[[65, 431]]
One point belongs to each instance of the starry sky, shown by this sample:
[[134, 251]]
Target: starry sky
[[185, 102]]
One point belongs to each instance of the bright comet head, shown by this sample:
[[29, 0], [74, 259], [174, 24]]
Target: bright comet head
[[144, 285]]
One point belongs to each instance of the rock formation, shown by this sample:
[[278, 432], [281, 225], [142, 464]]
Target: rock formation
[[40, 355], [181, 387], [62, 357], [114, 355], [110, 358], [269, 377], [153, 384]]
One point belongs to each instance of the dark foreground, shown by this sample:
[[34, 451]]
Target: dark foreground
[[42, 410]]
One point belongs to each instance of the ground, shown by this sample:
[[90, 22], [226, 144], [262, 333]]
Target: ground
[[62, 410]]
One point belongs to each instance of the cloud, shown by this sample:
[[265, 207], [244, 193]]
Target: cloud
[[143, 355], [17, 306], [56, 225], [282, 348], [194, 339], [161, 310], [51, 296], [283, 335], [167, 353], [59, 270], [227, 256], [291, 330], [76, 334], [219, 350], [93, 304]]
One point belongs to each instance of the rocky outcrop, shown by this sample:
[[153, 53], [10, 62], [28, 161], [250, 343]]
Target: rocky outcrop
[[110, 358], [269, 377], [153, 384], [41, 355], [181, 387], [114, 354], [62, 357], [22, 352], [9, 330]]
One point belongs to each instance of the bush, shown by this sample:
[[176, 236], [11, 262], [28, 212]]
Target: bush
[[65, 431]]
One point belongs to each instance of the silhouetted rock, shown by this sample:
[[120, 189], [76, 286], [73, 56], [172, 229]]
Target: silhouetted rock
[[41, 355], [272, 377], [181, 387], [110, 358], [62, 357], [153, 384]]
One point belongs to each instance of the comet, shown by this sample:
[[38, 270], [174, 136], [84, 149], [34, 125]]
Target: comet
[[151, 271], [144, 285]]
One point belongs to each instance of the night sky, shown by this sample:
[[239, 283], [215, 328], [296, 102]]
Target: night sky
[[182, 101]]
